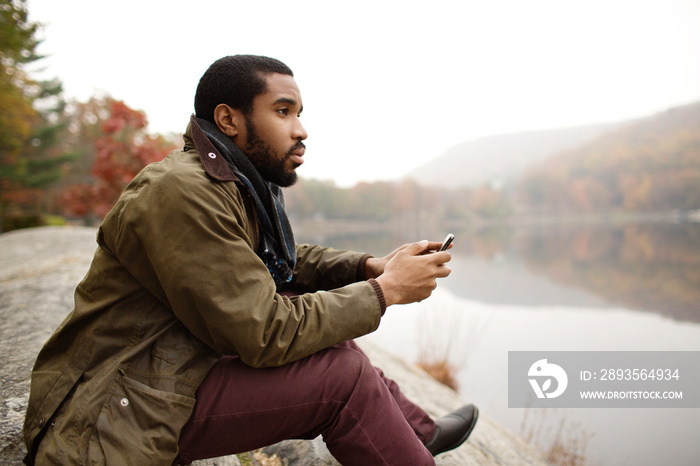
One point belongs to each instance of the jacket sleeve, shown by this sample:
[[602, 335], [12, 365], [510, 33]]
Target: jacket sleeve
[[183, 237], [322, 268]]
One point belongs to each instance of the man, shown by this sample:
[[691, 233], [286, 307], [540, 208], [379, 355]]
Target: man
[[200, 330]]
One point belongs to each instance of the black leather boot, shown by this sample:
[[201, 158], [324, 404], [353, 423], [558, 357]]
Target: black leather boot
[[453, 429]]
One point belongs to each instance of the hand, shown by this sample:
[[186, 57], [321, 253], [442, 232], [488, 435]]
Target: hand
[[410, 273], [375, 266]]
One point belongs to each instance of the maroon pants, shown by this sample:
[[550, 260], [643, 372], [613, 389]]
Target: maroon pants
[[363, 416]]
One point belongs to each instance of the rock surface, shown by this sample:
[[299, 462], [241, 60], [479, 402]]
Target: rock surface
[[39, 269]]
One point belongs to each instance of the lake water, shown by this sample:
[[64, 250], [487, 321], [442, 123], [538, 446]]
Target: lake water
[[628, 287]]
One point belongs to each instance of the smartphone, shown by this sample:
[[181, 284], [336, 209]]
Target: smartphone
[[447, 241]]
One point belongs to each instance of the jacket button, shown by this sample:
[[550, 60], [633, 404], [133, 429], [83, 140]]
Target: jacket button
[[124, 402], [42, 421]]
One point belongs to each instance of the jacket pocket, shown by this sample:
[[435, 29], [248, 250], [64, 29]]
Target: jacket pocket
[[48, 390], [139, 425]]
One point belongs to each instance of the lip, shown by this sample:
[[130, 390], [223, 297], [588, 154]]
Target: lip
[[297, 158], [297, 155]]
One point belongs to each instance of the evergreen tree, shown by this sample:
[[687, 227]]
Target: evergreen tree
[[30, 122]]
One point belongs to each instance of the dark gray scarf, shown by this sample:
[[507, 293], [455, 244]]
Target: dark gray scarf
[[276, 247]]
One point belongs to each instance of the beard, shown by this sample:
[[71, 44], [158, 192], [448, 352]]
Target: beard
[[268, 163]]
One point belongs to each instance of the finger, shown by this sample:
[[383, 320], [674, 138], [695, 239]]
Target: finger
[[403, 247], [440, 257], [432, 247], [443, 271], [418, 248]]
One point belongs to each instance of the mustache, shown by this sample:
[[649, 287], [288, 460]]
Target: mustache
[[295, 147]]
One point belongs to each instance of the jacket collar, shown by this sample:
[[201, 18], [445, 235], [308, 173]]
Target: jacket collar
[[214, 164]]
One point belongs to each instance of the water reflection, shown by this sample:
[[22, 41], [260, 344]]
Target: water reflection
[[477, 336], [653, 267], [646, 266], [556, 288]]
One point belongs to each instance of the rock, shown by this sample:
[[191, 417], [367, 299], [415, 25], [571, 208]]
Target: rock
[[39, 270]]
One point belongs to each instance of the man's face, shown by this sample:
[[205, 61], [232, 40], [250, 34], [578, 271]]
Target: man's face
[[273, 133]]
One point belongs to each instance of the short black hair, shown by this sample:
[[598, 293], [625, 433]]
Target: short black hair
[[235, 80]]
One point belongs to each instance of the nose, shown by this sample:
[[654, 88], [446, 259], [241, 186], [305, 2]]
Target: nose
[[299, 132]]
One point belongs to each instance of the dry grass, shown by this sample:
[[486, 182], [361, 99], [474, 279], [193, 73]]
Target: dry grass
[[265, 460], [566, 447], [258, 458], [442, 371], [444, 343]]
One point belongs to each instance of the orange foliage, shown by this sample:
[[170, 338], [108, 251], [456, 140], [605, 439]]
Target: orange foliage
[[121, 150], [652, 165]]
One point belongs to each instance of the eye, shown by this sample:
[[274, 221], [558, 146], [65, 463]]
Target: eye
[[283, 111]]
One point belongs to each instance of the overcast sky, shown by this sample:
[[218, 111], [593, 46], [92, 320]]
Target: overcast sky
[[389, 85]]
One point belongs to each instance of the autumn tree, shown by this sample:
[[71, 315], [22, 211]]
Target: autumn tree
[[17, 48], [491, 203], [404, 202], [651, 165], [30, 122], [17, 116], [119, 146]]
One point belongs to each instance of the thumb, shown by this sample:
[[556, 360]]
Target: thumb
[[416, 249]]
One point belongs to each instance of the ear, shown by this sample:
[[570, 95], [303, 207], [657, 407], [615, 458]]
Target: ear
[[229, 120]]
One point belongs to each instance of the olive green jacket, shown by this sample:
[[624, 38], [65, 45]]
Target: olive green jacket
[[174, 284]]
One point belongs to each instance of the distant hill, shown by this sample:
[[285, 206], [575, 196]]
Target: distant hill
[[644, 166], [649, 165], [501, 158]]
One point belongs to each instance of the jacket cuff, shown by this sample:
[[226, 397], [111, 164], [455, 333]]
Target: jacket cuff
[[361, 268], [380, 294]]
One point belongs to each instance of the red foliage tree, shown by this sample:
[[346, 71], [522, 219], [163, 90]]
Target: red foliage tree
[[122, 148]]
